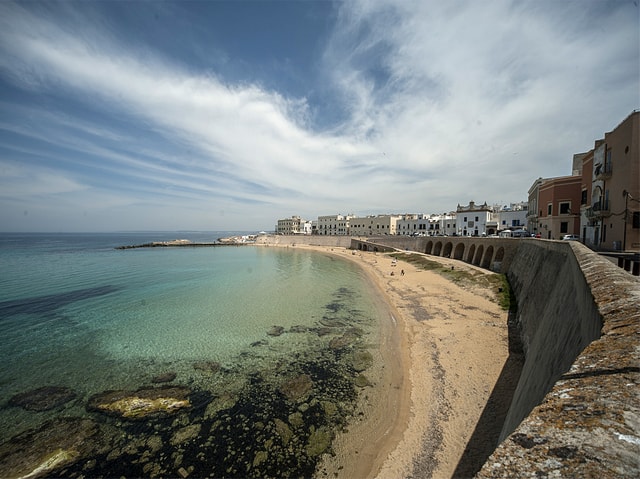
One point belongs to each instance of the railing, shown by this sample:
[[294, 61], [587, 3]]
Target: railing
[[601, 207], [603, 171]]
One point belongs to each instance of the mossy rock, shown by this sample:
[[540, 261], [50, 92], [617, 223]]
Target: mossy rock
[[362, 381], [361, 360], [318, 442], [297, 388]]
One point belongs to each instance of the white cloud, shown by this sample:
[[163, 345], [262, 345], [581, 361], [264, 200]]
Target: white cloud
[[446, 102]]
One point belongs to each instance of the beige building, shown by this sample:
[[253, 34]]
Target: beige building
[[291, 226], [333, 225], [611, 217], [374, 225]]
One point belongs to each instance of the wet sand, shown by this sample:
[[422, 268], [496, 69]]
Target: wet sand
[[444, 349]]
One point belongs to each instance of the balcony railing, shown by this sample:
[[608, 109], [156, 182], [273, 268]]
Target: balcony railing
[[601, 208], [603, 171]]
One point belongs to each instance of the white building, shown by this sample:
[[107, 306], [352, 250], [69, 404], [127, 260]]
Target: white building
[[513, 216], [442, 225], [374, 225], [293, 226], [333, 225], [412, 225], [472, 220]]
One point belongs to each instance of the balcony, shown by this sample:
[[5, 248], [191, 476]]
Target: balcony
[[600, 209], [602, 172]]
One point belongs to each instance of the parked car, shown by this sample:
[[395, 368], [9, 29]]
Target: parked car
[[571, 238]]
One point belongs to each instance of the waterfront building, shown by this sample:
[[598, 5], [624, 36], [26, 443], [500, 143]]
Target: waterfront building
[[412, 225], [293, 226], [472, 220], [374, 225], [610, 209], [333, 225]]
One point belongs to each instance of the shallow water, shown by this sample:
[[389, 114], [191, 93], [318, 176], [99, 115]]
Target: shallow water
[[78, 314]]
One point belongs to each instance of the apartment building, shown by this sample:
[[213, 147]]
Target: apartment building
[[374, 225], [611, 189], [412, 224], [293, 226], [333, 225], [559, 207]]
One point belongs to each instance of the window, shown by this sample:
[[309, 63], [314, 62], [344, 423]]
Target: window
[[549, 209], [565, 208], [477, 218], [636, 219], [583, 199], [564, 227], [465, 219]]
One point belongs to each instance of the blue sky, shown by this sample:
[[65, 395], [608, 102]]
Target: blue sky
[[229, 115]]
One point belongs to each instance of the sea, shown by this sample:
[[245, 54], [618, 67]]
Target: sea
[[234, 361]]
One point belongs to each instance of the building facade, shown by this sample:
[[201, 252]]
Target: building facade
[[611, 219], [559, 207], [333, 225], [292, 226], [374, 225], [472, 220]]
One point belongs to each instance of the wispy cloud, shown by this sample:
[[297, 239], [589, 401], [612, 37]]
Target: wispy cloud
[[442, 102]]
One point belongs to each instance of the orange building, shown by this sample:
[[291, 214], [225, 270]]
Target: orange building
[[559, 206]]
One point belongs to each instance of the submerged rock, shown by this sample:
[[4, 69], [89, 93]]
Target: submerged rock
[[164, 377], [319, 441], [297, 388], [42, 452], [43, 399], [211, 367], [275, 331], [143, 403], [361, 360]]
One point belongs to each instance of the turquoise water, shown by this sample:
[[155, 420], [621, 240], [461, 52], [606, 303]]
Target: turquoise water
[[78, 314]]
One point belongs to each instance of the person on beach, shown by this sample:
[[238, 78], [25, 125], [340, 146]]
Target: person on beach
[[401, 272]]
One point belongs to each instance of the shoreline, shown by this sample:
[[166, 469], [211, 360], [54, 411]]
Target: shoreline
[[445, 347]]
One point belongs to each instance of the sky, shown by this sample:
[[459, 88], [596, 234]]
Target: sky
[[228, 115]]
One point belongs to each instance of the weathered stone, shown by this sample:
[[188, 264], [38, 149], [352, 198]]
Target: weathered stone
[[283, 430], [143, 403], [42, 452], [362, 381]]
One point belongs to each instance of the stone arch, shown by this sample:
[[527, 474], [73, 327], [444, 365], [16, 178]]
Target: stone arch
[[478, 256], [472, 251], [458, 253], [437, 249], [499, 254], [429, 247], [486, 259], [447, 250]]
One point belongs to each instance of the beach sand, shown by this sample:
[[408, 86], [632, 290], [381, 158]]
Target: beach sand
[[444, 349]]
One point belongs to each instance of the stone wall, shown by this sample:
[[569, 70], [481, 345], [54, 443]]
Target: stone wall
[[586, 419]]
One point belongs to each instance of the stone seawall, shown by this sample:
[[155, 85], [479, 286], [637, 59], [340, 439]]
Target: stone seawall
[[585, 420]]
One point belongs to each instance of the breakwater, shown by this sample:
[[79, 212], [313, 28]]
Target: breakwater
[[575, 411]]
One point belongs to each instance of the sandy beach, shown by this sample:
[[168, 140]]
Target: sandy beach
[[444, 349]]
